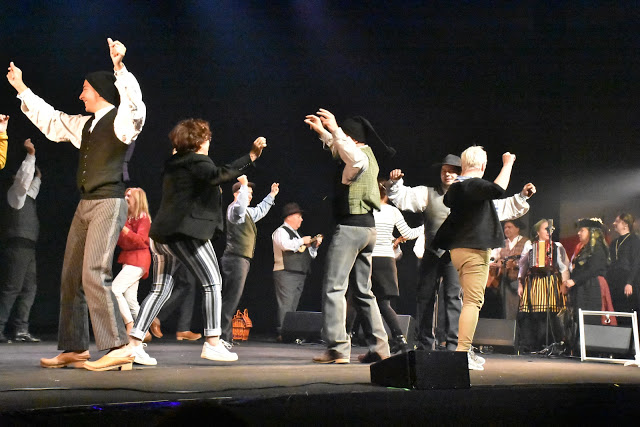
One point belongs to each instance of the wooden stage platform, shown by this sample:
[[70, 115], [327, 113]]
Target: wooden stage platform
[[277, 384]]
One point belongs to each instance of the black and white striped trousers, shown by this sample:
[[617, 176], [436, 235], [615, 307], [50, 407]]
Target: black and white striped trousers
[[199, 257]]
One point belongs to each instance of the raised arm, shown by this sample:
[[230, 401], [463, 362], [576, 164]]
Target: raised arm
[[17, 193], [505, 173], [262, 209], [55, 125], [413, 199], [332, 136], [132, 111], [515, 206]]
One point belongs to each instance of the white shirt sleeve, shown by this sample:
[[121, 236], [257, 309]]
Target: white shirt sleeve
[[55, 125], [512, 207], [17, 193], [356, 162], [284, 242], [237, 211], [132, 111], [413, 199]]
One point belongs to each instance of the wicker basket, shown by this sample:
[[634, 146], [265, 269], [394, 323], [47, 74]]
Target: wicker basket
[[241, 325]]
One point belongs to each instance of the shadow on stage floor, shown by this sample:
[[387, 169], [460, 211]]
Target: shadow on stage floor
[[276, 384]]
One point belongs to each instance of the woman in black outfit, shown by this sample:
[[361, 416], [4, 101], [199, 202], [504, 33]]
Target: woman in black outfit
[[190, 215]]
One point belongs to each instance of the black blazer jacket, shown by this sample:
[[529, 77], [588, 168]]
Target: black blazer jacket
[[191, 206]]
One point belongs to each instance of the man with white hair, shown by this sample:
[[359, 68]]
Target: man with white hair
[[469, 232]]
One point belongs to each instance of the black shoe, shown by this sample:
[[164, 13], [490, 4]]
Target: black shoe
[[398, 343], [25, 337], [369, 357], [3, 339]]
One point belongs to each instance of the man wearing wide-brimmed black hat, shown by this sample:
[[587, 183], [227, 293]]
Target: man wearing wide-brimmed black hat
[[241, 245], [104, 137], [292, 255], [436, 263], [358, 148]]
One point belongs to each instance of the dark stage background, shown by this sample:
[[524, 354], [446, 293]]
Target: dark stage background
[[553, 82]]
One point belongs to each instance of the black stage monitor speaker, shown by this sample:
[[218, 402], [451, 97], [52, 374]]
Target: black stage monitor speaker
[[495, 332], [607, 339], [424, 370], [304, 325]]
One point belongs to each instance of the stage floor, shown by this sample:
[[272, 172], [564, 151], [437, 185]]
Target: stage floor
[[277, 384]]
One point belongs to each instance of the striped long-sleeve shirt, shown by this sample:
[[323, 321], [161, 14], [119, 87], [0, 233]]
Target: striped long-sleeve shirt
[[388, 218]]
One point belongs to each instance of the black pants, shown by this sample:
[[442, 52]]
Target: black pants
[[17, 284]]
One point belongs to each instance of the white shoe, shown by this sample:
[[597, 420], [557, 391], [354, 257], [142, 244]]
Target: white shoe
[[478, 359], [473, 364], [141, 357], [218, 352]]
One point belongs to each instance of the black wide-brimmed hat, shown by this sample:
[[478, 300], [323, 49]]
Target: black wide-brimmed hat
[[290, 209], [237, 185], [361, 130], [589, 223], [449, 159], [103, 83]]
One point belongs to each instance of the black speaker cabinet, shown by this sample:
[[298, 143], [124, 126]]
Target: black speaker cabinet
[[607, 339], [495, 332], [424, 370], [304, 325]]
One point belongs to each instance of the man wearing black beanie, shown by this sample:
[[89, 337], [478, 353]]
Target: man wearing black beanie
[[117, 115]]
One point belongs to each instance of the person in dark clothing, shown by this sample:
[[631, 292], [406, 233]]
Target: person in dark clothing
[[190, 215], [18, 236], [622, 274]]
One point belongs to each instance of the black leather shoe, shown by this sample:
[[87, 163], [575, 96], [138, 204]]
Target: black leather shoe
[[398, 343], [369, 357], [25, 337]]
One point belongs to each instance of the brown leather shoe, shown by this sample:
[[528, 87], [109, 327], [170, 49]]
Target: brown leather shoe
[[72, 359], [110, 363], [331, 356], [188, 335], [155, 328]]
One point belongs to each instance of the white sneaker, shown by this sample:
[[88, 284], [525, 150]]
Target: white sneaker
[[473, 365], [141, 357], [478, 359], [218, 352]]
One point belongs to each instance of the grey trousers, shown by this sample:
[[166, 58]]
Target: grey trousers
[[288, 286], [234, 271], [17, 286], [351, 249], [87, 277]]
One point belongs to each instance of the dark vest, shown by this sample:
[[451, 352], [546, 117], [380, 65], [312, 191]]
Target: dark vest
[[21, 223], [101, 161], [299, 262], [241, 238]]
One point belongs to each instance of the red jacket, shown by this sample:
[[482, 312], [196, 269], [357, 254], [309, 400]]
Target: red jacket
[[135, 244]]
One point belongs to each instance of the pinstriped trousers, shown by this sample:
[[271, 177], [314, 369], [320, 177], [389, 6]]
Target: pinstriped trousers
[[200, 258], [87, 277]]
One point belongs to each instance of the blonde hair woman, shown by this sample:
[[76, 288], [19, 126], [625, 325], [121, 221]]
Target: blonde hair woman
[[134, 257]]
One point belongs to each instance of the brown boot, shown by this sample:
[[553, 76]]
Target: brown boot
[[188, 335], [72, 359], [155, 328]]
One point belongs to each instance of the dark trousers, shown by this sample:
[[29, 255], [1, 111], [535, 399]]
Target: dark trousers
[[432, 270], [288, 286], [17, 285], [234, 271], [182, 299]]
